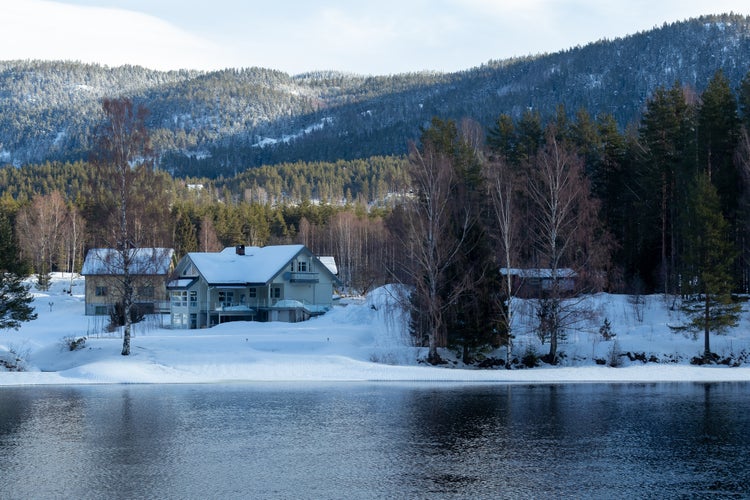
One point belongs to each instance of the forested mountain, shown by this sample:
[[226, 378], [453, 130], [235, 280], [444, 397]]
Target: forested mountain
[[221, 123]]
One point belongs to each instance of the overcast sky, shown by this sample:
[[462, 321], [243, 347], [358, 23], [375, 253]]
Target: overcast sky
[[360, 36]]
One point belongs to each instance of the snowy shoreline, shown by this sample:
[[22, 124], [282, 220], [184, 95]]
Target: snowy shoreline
[[545, 376], [356, 343]]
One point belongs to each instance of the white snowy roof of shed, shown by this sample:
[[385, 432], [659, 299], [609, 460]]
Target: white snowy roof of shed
[[538, 273], [258, 265], [143, 261]]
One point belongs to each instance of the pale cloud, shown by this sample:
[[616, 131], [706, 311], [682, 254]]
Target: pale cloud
[[388, 36], [40, 29]]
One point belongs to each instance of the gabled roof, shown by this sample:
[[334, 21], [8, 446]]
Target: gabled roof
[[143, 261], [330, 263], [259, 264]]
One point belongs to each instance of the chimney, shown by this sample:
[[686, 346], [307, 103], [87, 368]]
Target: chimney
[[240, 249]]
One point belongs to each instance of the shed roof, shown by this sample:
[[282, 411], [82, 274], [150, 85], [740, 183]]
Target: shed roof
[[541, 273], [143, 261]]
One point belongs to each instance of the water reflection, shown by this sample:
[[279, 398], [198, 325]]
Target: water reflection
[[358, 440]]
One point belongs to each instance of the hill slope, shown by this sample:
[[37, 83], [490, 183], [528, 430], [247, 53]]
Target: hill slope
[[220, 122]]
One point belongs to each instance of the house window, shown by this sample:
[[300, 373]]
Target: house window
[[179, 299], [101, 291], [252, 293], [276, 292], [101, 310], [226, 298], [302, 267], [193, 298], [179, 320], [146, 291]]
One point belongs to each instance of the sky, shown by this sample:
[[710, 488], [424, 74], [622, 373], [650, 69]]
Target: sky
[[296, 36]]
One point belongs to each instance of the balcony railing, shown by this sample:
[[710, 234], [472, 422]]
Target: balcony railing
[[302, 277]]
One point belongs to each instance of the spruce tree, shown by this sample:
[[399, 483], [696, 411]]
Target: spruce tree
[[15, 302], [709, 258], [718, 134], [666, 167]]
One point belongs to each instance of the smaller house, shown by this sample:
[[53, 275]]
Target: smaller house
[[536, 283], [149, 272], [273, 283]]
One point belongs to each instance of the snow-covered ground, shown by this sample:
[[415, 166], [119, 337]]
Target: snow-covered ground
[[359, 340]]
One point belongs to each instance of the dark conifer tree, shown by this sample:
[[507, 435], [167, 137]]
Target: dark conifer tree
[[718, 133], [668, 163], [185, 236], [15, 302], [10, 259], [709, 257]]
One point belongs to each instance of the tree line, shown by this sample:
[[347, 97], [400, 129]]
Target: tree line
[[661, 206]]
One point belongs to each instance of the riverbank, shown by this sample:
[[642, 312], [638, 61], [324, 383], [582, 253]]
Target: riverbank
[[359, 340]]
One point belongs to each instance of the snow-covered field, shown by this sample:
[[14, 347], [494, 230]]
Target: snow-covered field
[[359, 340]]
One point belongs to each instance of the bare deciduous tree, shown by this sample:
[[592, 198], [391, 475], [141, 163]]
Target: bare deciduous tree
[[207, 239], [73, 238], [504, 185], [41, 227], [432, 239], [122, 159], [565, 222]]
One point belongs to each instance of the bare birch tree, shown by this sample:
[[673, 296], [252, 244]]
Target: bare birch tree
[[208, 241], [504, 185], [41, 229], [73, 238], [122, 155], [565, 220], [432, 241]]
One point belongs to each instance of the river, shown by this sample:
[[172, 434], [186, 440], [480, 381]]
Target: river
[[357, 440]]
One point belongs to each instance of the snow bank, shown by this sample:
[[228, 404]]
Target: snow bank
[[362, 339]]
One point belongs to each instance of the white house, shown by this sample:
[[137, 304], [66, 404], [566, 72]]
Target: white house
[[273, 283]]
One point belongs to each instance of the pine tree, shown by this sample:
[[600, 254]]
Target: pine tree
[[15, 302], [709, 259]]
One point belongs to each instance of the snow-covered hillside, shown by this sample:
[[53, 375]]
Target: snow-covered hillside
[[359, 340]]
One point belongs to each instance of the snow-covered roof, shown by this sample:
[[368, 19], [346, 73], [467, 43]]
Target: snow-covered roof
[[538, 273], [257, 265], [180, 283], [143, 261], [330, 263]]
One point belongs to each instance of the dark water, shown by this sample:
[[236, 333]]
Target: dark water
[[376, 441]]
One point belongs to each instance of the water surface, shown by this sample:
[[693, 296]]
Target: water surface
[[375, 441]]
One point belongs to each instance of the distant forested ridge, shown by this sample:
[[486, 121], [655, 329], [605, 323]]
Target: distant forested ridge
[[213, 124]]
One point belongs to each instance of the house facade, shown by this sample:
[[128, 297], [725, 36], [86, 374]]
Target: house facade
[[273, 283], [149, 271]]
